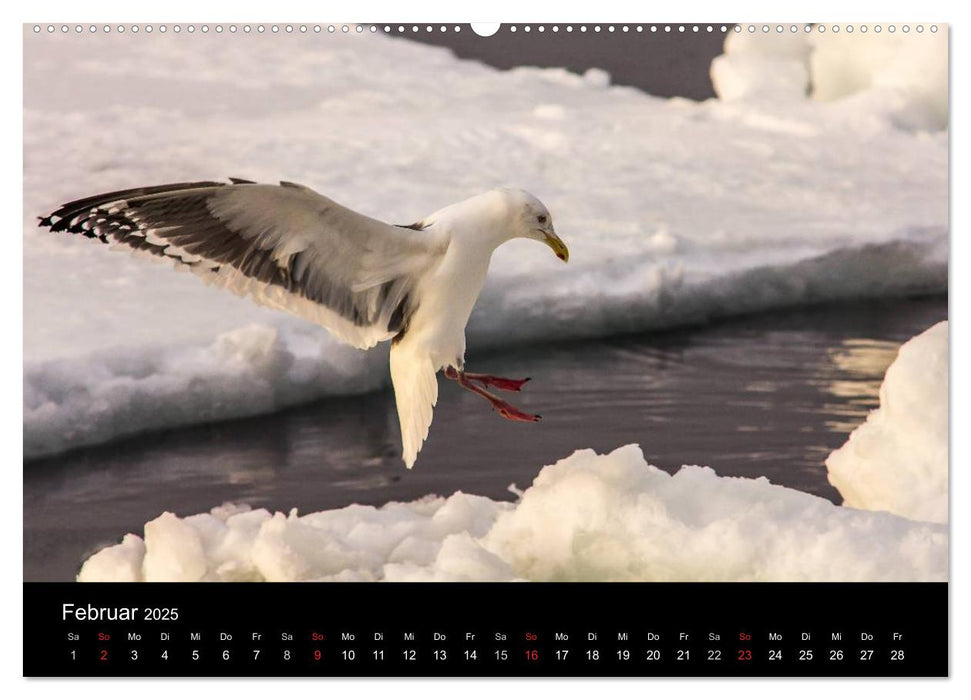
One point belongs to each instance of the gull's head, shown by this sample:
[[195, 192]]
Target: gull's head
[[529, 218]]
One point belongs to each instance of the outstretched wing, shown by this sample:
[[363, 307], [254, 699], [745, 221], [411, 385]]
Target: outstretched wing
[[285, 246]]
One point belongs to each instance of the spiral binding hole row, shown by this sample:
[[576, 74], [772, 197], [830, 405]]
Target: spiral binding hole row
[[513, 28]]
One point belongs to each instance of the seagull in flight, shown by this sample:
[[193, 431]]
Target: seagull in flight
[[290, 248]]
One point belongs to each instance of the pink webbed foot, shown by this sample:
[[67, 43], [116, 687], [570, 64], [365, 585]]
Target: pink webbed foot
[[510, 412], [501, 383], [503, 408]]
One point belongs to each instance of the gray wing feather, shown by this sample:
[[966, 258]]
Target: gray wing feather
[[284, 245]]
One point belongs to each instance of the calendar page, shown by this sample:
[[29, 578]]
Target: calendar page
[[485, 350]]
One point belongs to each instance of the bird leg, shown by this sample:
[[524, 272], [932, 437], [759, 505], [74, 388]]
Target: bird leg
[[505, 409]]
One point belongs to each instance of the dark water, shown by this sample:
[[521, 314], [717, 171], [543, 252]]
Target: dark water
[[664, 64], [768, 395]]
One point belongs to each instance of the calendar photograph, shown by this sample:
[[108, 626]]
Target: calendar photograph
[[589, 303]]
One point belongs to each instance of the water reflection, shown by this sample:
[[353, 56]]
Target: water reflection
[[856, 367], [762, 396]]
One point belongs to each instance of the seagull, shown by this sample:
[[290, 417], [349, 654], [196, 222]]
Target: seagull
[[287, 247]]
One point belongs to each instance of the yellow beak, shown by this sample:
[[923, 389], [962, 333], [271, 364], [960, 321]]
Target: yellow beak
[[558, 246]]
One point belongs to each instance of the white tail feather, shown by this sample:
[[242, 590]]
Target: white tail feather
[[416, 393]]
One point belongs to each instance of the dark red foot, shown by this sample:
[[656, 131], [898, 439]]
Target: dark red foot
[[501, 383], [510, 412], [506, 410]]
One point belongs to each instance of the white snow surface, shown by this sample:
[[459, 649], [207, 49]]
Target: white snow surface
[[588, 517], [674, 211], [898, 460]]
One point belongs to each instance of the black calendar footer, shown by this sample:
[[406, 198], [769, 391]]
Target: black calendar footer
[[473, 629]]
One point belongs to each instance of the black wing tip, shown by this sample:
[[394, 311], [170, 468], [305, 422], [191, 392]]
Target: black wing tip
[[417, 226], [69, 209]]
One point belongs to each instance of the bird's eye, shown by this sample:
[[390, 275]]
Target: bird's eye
[[541, 219]]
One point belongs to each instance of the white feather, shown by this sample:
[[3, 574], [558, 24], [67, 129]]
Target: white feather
[[415, 393]]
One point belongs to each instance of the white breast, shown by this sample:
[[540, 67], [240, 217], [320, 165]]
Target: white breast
[[447, 295]]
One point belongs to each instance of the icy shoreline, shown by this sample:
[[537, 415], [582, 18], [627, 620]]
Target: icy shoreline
[[588, 517], [611, 517], [257, 369]]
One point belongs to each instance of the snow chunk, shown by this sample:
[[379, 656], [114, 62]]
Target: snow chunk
[[174, 550], [596, 77], [613, 517], [905, 73], [898, 460], [120, 563], [762, 65], [899, 77], [588, 517]]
